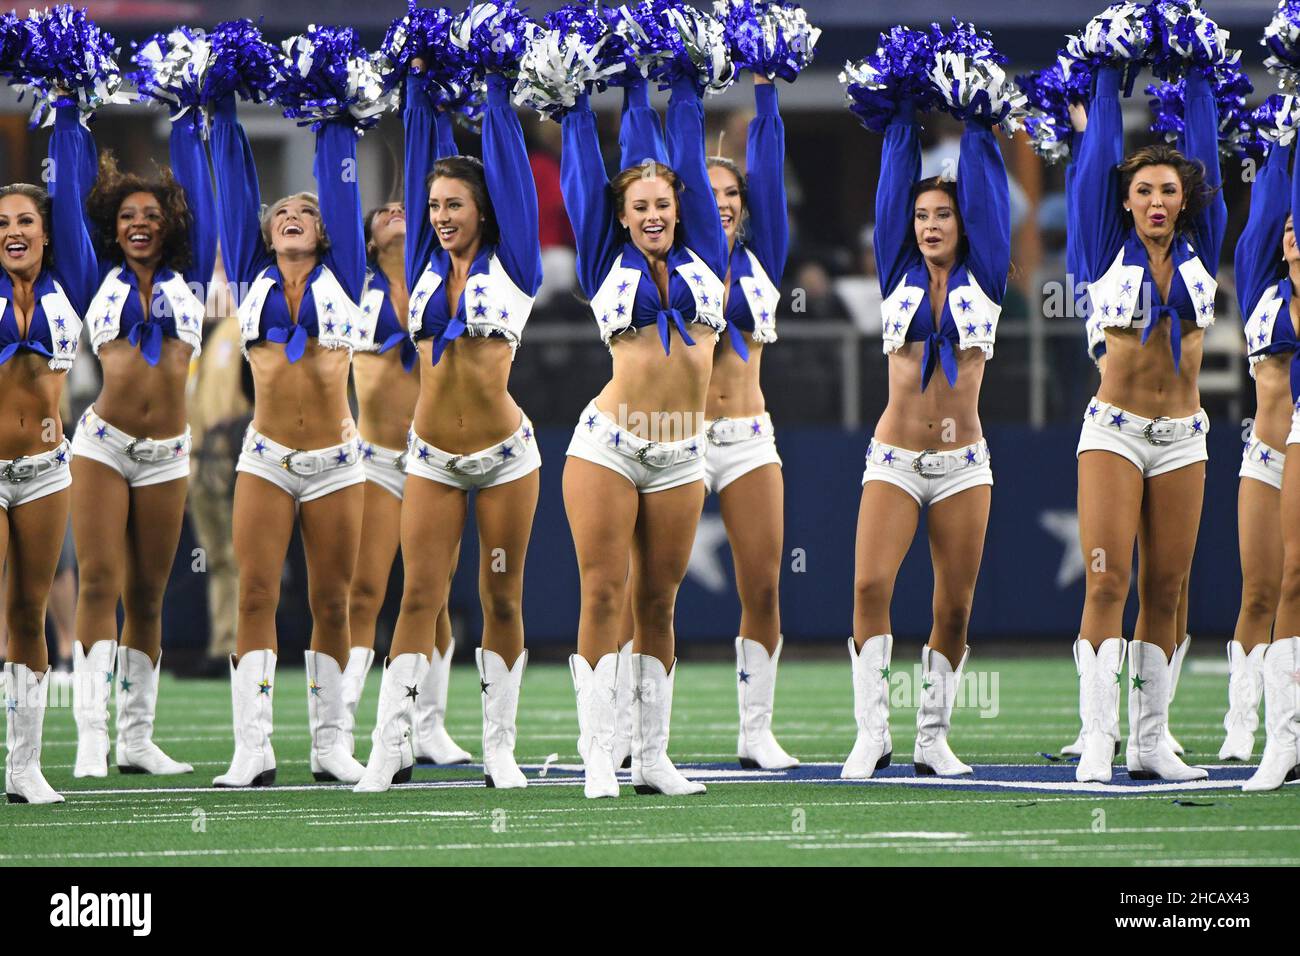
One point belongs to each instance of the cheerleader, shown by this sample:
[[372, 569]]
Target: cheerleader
[[1151, 226], [473, 263], [944, 253], [46, 285], [387, 382], [1271, 329], [650, 252], [299, 271], [157, 245]]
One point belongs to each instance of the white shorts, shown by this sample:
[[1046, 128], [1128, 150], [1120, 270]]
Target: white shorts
[[302, 475], [386, 467], [141, 461], [738, 446], [1153, 446], [651, 466], [1262, 463], [34, 476], [1293, 438], [504, 462], [929, 476]]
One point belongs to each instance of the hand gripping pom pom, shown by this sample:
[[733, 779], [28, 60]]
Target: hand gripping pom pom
[[697, 49], [424, 33], [1118, 36], [639, 39], [899, 71], [1282, 37], [773, 39], [565, 59], [328, 76]]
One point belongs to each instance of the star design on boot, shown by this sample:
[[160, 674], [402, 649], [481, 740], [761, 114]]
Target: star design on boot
[[412, 691], [636, 693], [108, 676], [483, 685], [744, 676], [1138, 682], [11, 704], [1119, 677], [314, 689], [884, 673], [264, 687], [126, 685], [926, 684]]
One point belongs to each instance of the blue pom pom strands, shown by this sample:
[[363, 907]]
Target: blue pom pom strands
[[640, 38], [697, 47], [172, 68], [242, 63], [1275, 121], [425, 32], [328, 76], [491, 37], [1231, 88], [970, 81], [1184, 38], [773, 39], [1282, 37], [11, 42], [61, 57], [899, 70], [564, 60], [1118, 36], [1048, 95]]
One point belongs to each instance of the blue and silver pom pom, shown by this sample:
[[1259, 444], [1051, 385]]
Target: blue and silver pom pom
[[639, 39], [772, 38], [329, 76], [1118, 36], [1184, 38], [1231, 87], [1282, 37], [697, 48], [563, 61], [1047, 109], [242, 64], [492, 37], [1276, 121], [172, 70], [424, 32], [899, 70], [970, 81]]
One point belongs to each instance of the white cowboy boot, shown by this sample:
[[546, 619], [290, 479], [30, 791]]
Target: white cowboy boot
[[873, 748], [932, 757], [252, 683], [1100, 673], [330, 757], [1175, 671], [137, 701], [652, 710], [1281, 760], [1245, 687], [1149, 755], [431, 741], [391, 756], [1075, 749], [595, 690], [92, 681], [500, 692], [25, 695], [622, 747], [354, 683], [756, 747]]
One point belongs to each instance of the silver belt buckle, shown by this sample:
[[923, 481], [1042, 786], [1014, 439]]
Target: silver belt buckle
[[142, 459], [935, 470], [311, 466], [400, 462], [452, 464], [643, 455], [712, 435], [1160, 431], [19, 470]]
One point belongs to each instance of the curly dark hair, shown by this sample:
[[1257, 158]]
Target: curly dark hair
[[112, 186], [1196, 191]]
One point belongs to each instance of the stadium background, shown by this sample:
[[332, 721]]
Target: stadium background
[[825, 381]]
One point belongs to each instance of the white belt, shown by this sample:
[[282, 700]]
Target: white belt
[[652, 454], [142, 450], [472, 463], [1157, 431], [929, 463], [304, 464], [384, 457], [26, 467], [731, 431]]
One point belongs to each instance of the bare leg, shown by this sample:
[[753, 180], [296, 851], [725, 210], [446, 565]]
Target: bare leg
[[1171, 515], [331, 534], [753, 512], [263, 526], [153, 532], [956, 526], [433, 519], [887, 519], [1110, 506], [381, 527], [100, 501], [505, 523], [665, 533], [35, 537]]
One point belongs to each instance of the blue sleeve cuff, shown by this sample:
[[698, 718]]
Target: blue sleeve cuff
[[637, 93], [65, 118], [498, 90], [224, 108], [683, 87], [1197, 84], [1108, 82], [765, 99]]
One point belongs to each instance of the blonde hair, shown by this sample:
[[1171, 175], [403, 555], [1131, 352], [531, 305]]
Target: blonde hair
[[322, 243]]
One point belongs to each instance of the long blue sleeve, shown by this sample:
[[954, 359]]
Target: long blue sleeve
[[699, 210], [895, 233], [74, 253], [1258, 258], [239, 199], [985, 203], [1075, 267], [445, 135], [585, 186], [340, 205], [190, 166], [1097, 216], [640, 136], [769, 221], [421, 122], [512, 189], [1202, 132]]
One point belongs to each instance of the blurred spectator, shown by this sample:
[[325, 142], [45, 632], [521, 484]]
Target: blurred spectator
[[860, 293], [559, 276]]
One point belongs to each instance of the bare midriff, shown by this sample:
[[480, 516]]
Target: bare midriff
[[942, 417], [1142, 379], [656, 396], [386, 397], [302, 404], [1273, 405], [734, 390], [29, 406], [143, 400], [464, 405]]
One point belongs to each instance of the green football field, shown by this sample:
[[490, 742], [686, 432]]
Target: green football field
[[447, 817]]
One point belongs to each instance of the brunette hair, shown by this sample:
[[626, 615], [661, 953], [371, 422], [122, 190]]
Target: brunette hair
[[111, 188], [322, 244], [949, 188], [469, 170], [1196, 191], [367, 229], [41, 200]]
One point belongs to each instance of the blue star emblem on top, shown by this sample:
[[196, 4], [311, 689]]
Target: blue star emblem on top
[[697, 278], [970, 328], [964, 304], [622, 287], [905, 304], [479, 290], [1127, 287]]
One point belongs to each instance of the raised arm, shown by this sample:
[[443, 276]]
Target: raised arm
[[640, 136], [985, 203], [1075, 267], [74, 253], [1258, 260], [1202, 135], [239, 199], [190, 166], [511, 187], [585, 186], [769, 222], [422, 123], [335, 168], [900, 167], [1096, 213], [699, 210]]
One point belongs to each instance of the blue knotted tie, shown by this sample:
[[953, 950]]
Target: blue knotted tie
[[1175, 330], [455, 328], [938, 351], [409, 352], [295, 342], [24, 345], [147, 337], [738, 340], [662, 320]]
